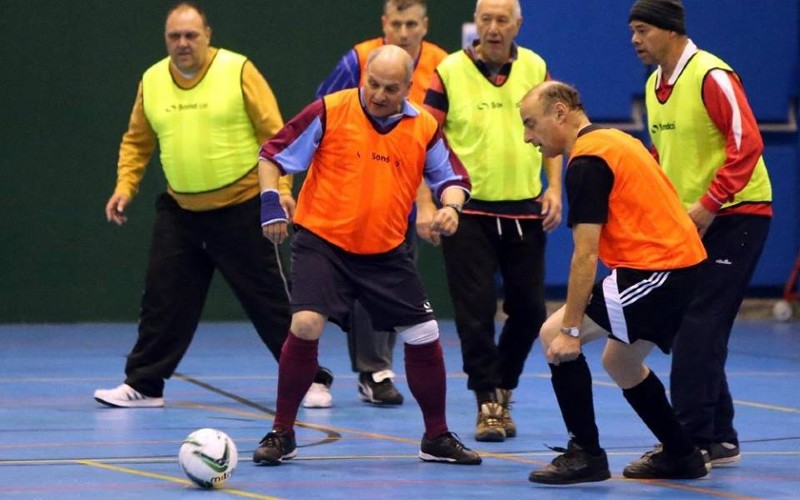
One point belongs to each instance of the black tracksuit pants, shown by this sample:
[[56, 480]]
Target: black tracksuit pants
[[481, 246], [187, 247]]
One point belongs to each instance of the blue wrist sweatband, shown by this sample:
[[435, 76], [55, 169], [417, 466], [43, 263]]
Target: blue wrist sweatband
[[271, 209]]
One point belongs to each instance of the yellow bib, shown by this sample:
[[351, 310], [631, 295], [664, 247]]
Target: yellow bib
[[690, 147], [204, 133], [484, 128]]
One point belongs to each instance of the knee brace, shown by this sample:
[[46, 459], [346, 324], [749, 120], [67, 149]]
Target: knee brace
[[421, 333]]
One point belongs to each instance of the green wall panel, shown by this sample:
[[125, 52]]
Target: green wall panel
[[70, 76]]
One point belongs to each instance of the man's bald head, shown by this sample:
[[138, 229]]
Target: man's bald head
[[392, 55]]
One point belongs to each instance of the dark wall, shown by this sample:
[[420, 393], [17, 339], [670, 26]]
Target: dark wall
[[70, 75], [69, 80]]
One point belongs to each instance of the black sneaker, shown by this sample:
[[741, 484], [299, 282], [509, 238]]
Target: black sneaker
[[658, 464], [574, 465], [724, 454], [275, 447], [323, 376], [378, 388], [447, 448]]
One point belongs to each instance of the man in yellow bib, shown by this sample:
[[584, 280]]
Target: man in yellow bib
[[208, 109], [706, 139], [475, 96]]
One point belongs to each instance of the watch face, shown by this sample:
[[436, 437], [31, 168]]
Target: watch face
[[572, 331]]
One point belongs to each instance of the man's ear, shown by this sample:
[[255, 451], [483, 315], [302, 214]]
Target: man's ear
[[561, 111]]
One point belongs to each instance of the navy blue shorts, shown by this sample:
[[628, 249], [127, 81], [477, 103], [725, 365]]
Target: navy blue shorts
[[327, 279], [648, 305]]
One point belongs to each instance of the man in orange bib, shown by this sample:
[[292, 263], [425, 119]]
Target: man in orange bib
[[405, 24], [624, 212], [366, 151]]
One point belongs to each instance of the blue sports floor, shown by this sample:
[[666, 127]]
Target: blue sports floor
[[57, 442]]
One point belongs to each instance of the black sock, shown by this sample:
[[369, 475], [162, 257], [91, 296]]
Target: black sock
[[572, 383], [649, 400], [485, 397]]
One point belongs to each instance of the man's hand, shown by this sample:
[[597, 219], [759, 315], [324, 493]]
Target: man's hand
[[289, 205], [551, 209], [563, 348], [445, 221], [701, 216], [115, 209], [424, 223]]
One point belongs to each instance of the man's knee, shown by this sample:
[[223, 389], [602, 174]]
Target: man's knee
[[307, 325], [421, 333], [549, 330]]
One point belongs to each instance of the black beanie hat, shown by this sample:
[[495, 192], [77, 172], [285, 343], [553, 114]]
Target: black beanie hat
[[664, 14]]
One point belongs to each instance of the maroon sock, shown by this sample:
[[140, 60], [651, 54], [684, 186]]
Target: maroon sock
[[427, 380], [296, 370]]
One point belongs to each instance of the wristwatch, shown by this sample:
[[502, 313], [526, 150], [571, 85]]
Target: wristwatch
[[572, 331], [455, 206]]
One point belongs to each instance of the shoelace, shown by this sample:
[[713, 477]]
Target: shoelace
[[557, 449], [453, 440], [568, 458], [272, 439]]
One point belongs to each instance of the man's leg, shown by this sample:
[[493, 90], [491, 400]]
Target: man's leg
[[698, 385], [176, 285], [371, 357], [251, 266], [583, 460], [678, 458], [427, 381], [522, 267], [470, 262], [296, 369], [372, 352]]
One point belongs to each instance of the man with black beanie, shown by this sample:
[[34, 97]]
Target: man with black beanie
[[707, 141]]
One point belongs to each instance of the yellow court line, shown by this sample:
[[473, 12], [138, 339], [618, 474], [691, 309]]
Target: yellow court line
[[344, 430], [372, 435], [172, 479]]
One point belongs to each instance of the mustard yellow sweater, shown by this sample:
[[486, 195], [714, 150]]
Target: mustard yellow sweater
[[140, 139]]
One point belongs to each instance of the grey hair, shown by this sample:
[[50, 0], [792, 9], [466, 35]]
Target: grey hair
[[516, 9]]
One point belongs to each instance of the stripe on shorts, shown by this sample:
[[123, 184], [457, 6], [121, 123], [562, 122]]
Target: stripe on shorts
[[643, 288], [616, 301]]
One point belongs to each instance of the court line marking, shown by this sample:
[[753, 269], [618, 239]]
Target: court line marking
[[693, 489], [750, 404], [172, 479], [517, 459], [372, 435]]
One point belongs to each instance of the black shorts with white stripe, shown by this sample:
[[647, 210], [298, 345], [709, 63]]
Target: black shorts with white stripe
[[633, 304]]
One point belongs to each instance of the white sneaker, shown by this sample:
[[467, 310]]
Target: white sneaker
[[125, 396], [318, 396]]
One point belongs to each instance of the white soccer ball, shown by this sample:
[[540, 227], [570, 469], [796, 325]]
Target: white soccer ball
[[208, 457], [782, 310]]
